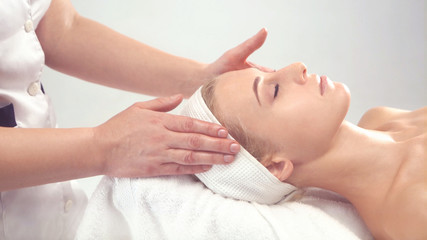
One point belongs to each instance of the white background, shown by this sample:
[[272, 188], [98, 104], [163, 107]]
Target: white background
[[377, 48]]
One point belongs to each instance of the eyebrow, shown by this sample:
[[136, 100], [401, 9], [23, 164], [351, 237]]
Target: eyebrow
[[255, 88]]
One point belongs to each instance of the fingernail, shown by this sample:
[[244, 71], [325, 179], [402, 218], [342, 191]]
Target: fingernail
[[234, 148], [206, 167], [222, 133], [228, 158]]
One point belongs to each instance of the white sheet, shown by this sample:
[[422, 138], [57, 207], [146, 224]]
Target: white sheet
[[183, 208]]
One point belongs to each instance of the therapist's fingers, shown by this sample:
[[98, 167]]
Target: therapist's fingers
[[185, 124], [249, 46], [188, 157], [235, 58], [261, 68], [178, 169], [163, 104], [200, 142], [139, 140], [181, 123]]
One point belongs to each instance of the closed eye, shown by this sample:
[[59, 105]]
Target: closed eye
[[276, 90]]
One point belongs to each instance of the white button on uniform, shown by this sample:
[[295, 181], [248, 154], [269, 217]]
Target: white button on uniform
[[29, 26], [68, 205], [34, 88]]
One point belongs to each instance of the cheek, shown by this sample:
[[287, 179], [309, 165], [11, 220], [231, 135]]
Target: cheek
[[307, 140], [307, 131]]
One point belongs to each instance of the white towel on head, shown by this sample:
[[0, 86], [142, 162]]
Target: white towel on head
[[245, 178], [181, 207]]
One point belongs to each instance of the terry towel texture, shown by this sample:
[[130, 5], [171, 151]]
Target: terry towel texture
[[245, 178], [181, 207]]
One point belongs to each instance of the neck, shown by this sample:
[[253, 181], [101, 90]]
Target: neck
[[360, 165]]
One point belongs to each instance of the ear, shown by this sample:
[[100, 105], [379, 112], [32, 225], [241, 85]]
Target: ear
[[281, 168]]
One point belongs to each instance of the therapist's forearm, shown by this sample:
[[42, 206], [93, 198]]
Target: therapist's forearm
[[30, 157], [86, 49]]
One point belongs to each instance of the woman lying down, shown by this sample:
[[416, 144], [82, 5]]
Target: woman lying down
[[291, 127]]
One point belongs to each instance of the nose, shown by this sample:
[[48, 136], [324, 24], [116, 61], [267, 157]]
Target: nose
[[296, 72], [299, 71]]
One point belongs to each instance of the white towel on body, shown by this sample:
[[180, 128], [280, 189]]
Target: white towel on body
[[181, 207]]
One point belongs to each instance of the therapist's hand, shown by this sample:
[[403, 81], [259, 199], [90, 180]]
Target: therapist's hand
[[236, 58], [145, 141]]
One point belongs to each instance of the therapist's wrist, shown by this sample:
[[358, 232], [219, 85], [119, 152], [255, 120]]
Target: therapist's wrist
[[198, 75], [99, 149]]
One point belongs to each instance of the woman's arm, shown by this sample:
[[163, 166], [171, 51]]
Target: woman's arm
[[141, 141], [31, 157], [88, 50]]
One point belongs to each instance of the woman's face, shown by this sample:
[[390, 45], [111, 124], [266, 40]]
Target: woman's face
[[297, 112]]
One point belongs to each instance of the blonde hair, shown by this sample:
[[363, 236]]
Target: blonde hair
[[259, 149]]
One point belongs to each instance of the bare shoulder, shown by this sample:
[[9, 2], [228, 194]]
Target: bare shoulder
[[378, 116]]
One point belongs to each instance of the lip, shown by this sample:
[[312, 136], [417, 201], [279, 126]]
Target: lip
[[323, 84]]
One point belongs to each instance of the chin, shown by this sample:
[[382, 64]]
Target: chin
[[346, 90], [342, 88], [345, 95], [343, 98]]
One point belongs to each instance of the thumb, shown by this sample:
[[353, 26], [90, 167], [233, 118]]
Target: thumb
[[259, 67], [163, 104], [249, 46]]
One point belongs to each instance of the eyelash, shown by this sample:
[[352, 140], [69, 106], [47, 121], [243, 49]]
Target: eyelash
[[276, 90]]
